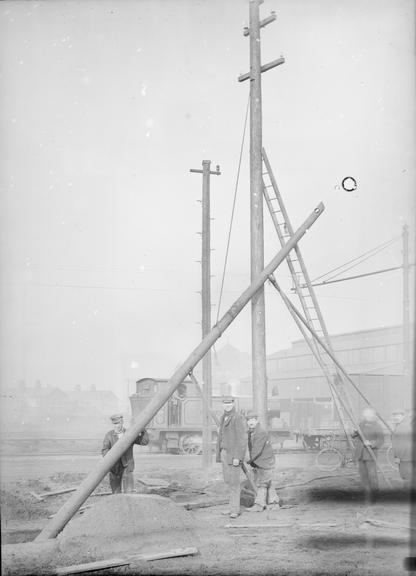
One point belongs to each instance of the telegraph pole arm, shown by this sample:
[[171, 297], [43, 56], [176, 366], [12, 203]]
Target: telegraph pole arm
[[216, 173], [264, 68], [262, 23]]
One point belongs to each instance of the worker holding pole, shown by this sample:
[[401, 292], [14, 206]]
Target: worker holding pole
[[372, 437], [262, 461], [121, 474]]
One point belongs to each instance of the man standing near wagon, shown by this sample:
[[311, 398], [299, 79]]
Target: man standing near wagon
[[373, 438], [121, 474], [231, 449]]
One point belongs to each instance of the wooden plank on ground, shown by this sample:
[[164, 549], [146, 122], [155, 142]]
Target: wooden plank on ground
[[101, 494], [256, 526], [204, 504], [280, 525], [168, 554], [56, 493], [36, 496], [384, 524], [91, 566]]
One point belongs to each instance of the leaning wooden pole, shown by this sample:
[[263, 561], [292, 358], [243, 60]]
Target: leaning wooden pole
[[297, 315], [70, 507]]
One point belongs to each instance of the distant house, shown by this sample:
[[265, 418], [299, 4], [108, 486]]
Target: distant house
[[104, 402], [49, 411]]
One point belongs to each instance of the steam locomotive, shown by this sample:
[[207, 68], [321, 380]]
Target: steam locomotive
[[177, 426]]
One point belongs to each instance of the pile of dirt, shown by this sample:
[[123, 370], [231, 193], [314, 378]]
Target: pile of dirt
[[126, 524], [30, 559]]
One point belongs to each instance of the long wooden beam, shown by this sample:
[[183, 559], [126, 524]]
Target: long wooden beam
[[67, 511]]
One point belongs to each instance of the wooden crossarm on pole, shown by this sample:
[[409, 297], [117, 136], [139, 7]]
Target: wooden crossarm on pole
[[264, 68]]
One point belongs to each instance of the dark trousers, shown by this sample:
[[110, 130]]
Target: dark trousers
[[121, 478], [406, 469], [232, 479], [369, 478]]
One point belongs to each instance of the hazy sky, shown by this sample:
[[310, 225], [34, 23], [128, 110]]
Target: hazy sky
[[105, 106]]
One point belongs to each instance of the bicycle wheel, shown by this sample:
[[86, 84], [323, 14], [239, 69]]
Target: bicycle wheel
[[393, 463], [328, 459]]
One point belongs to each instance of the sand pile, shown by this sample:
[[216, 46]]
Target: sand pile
[[29, 559], [125, 524]]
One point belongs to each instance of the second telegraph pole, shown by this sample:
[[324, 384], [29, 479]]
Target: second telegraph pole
[[206, 311]]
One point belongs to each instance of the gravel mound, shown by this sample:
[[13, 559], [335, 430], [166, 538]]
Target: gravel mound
[[29, 559], [124, 524]]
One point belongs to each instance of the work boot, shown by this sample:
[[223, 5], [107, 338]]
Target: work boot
[[256, 508], [225, 512]]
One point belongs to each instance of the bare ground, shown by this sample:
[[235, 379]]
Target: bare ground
[[320, 528]]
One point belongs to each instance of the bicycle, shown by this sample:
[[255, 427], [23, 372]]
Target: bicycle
[[330, 458]]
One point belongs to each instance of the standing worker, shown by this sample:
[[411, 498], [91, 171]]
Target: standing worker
[[262, 461], [402, 446], [121, 474], [231, 449], [374, 439]]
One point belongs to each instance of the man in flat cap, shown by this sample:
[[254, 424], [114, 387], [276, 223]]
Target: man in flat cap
[[402, 441], [231, 449], [262, 461], [121, 474], [373, 439]]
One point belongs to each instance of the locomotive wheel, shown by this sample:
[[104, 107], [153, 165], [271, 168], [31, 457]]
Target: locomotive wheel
[[190, 444]]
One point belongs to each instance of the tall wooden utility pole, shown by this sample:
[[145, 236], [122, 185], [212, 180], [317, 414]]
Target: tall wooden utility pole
[[406, 318], [258, 322], [206, 310]]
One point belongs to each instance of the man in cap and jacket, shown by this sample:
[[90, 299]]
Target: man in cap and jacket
[[231, 449], [402, 440], [262, 461], [121, 474], [373, 439]]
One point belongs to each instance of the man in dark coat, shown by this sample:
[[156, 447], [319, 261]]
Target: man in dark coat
[[262, 461], [374, 439], [402, 446], [231, 449], [121, 474]]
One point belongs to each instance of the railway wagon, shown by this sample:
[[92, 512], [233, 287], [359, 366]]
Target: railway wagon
[[177, 427]]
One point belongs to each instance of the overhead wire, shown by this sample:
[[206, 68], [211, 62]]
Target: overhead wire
[[231, 219], [233, 209], [358, 259], [355, 265]]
